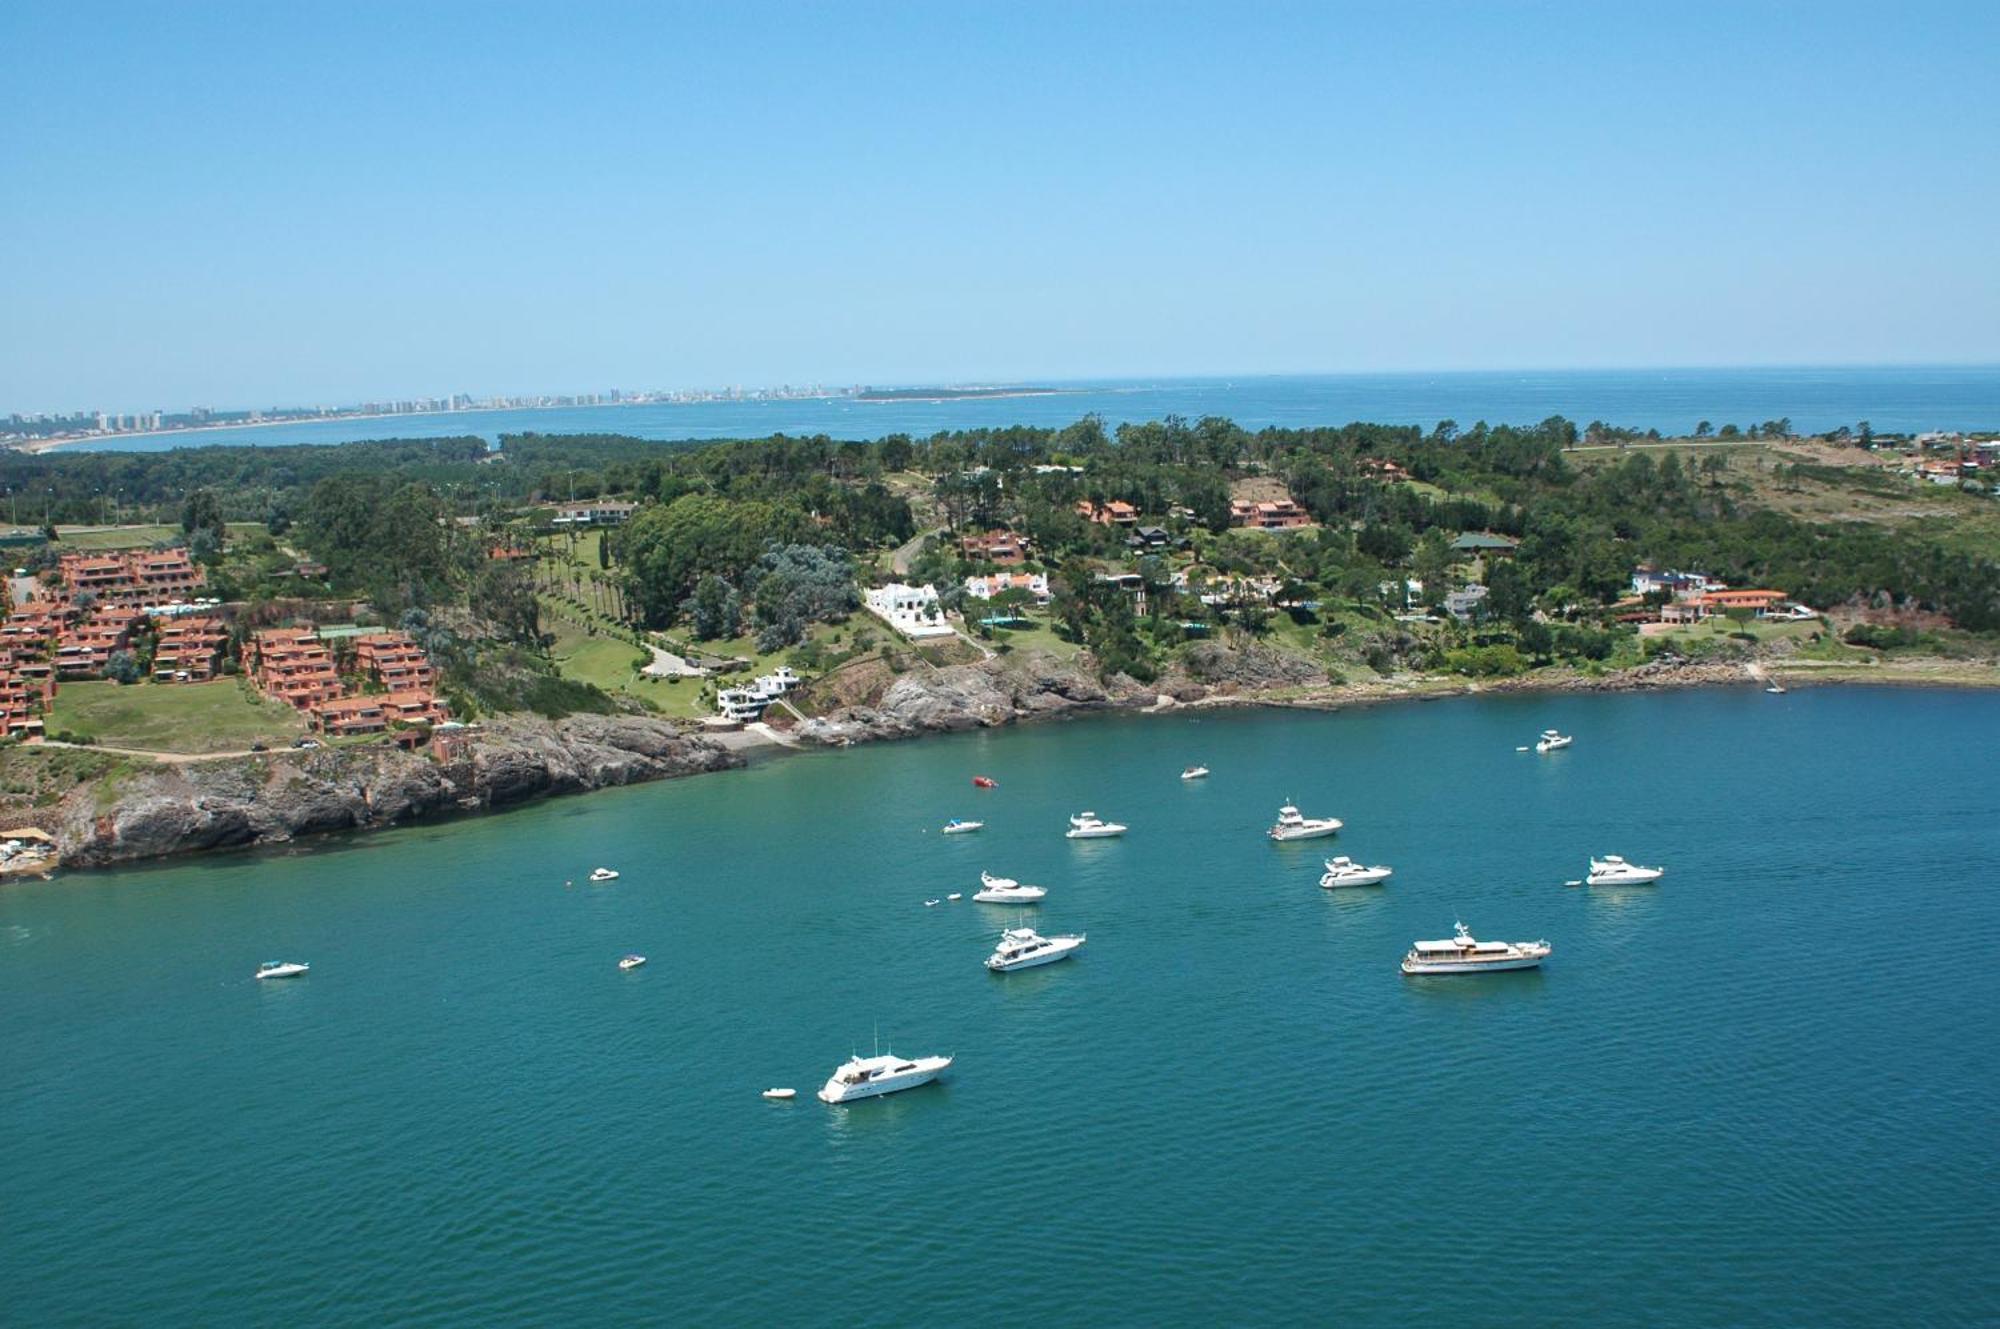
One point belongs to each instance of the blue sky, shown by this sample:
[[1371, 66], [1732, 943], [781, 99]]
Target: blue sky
[[258, 204]]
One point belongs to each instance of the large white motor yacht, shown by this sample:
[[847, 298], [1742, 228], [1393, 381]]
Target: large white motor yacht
[[1024, 948], [867, 1077], [1294, 826], [281, 969], [1550, 741], [1464, 955], [1344, 871], [1612, 870], [1005, 890], [1088, 826]]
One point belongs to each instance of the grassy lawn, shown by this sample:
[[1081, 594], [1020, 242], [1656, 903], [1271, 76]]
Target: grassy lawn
[[139, 537], [1038, 636], [173, 717]]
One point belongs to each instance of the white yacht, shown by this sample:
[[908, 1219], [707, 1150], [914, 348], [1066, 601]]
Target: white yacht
[[1293, 826], [603, 874], [1005, 890], [1088, 826], [866, 1077], [631, 961], [1612, 870], [1550, 741], [1024, 948], [1344, 871], [281, 969], [1195, 773], [957, 827], [1464, 955]]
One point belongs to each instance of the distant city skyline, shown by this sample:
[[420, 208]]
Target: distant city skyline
[[282, 205]]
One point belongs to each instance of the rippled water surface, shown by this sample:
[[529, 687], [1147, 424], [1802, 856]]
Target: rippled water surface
[[1761, 1093]]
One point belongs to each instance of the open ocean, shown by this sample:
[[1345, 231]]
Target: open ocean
[[1760, 1093], [1901, 399]]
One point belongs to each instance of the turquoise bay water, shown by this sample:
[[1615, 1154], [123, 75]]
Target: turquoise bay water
[[1761, 1093], [1900, 398]]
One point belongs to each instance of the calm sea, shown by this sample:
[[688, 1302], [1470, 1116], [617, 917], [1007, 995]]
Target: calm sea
[[1760, 1093], [1671, 400]]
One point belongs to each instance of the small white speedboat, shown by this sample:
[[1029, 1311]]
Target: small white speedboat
[[281, 969], [1025, 948], [1005, 890], [1293, 825], [1551, 741], [781, 1095], [957, 827], [867, 1077], [1089, 826], [603, 874], [954, 896], [631, 961], [1776, 689], [1463, 954], [1195, 773], [1344, 871], [1612, 870]]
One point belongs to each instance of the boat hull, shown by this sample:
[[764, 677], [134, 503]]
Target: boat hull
[[1094, 834], [835, 1092], [1290, 834], [1642, 878], [962, 830], [1445, 967], [1372, 877], [1059, 951], [1009, 897]]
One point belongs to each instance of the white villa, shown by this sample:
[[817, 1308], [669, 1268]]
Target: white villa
[[911, 610], [748, 702], [985, 588]]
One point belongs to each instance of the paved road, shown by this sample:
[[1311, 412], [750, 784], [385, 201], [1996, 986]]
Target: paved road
[[906, 553]]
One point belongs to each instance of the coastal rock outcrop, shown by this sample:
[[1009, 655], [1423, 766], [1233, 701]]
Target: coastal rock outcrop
[[152, 811], [981, 695]]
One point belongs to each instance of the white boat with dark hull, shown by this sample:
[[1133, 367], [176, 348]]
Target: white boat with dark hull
[[1025, 948], [871, 1077], [1089, 826], [957, 827], [1612, 870], [1293, 825], [1551, 741], [1005, 890], [281, 969], [1463, 954], [1195, 773], [1344, 871]]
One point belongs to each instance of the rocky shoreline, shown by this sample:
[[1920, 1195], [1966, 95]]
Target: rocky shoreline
[[273, 798], [276, 797]]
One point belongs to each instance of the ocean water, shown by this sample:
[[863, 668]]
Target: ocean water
[[1671, 400], [1762, 1092]]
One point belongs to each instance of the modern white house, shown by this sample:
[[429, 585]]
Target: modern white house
[[741, 703], [600, 512], [911, 610], [1462, 604], [985, 588]]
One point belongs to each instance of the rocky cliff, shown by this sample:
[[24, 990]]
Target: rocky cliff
[[163, 809], [998, 691]]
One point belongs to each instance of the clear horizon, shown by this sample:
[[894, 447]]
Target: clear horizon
[[252, 208]]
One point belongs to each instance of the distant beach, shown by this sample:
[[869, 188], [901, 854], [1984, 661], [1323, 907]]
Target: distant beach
[[1899, 399]]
